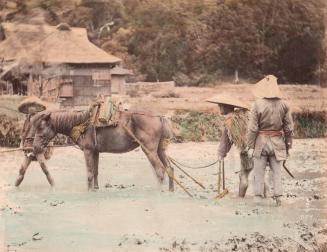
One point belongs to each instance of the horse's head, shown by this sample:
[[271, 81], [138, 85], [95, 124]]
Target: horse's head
[[44, 130]]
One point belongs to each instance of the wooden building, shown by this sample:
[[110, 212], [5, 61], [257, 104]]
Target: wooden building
[[118, 77], [60, 63]]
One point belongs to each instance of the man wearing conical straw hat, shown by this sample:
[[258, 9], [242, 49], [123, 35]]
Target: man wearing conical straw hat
[[30, 106], [269, 133], [234, 132]]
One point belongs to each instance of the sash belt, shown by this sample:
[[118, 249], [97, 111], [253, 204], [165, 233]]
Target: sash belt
[[270, 132]]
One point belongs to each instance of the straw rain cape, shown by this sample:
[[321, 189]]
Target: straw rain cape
[[236, 125]]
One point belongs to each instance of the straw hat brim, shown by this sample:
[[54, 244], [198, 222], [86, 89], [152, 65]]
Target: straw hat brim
[[31, 105], [227, 100], [267, 88]]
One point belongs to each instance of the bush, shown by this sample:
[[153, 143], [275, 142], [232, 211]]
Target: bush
[[9, 131], [201, 126], [310, 124], [197, 126]]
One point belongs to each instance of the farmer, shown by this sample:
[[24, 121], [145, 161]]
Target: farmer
[[30, 106], [234, 132], [269, 133]]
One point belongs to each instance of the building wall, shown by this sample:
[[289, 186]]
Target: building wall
[[118, 84], [85, 89], [88, 81]]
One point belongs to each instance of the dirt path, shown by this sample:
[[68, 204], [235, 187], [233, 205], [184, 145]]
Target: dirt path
[[131, 212]]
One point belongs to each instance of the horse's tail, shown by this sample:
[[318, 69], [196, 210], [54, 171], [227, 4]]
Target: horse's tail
[[167, 131], [166, 136]]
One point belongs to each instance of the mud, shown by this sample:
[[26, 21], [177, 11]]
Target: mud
[[132, 212]]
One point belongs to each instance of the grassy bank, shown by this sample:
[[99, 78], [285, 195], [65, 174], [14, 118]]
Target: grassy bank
[[192, 126], [199, 127], [310, 124]]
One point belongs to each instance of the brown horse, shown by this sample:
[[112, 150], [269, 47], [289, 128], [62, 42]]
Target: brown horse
[[152, 131]]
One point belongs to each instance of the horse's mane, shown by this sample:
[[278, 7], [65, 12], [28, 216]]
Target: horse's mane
[[63, 120]]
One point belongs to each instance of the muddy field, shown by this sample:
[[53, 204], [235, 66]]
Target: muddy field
[[131, 212]]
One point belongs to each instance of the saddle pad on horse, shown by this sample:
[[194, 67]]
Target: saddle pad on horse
[[107, 113], [104, 115]]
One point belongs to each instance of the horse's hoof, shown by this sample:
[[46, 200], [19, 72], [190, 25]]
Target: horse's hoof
[[278, 201]]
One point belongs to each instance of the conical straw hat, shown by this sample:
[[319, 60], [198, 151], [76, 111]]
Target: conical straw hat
[[267, 88], [227, 100], [31, 105]]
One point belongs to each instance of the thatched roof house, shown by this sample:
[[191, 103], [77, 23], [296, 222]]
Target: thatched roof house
[[72, 68], [51, 44], [118, 75]]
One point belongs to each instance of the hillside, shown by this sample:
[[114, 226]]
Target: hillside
[[195, 42]]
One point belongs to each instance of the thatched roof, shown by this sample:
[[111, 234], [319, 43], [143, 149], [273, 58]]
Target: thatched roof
[[50, 44], [117, 70]]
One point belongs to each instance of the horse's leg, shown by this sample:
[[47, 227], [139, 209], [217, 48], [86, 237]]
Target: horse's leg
[[150, 140], [96, 168], [156, 164], [89, 160], [163, 158], [40, 158], [22, 170]]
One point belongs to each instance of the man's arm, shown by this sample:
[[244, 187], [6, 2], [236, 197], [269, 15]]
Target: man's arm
[[224, 145], [253, 128], [288, 128]]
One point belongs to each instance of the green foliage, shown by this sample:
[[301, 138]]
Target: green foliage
[[196, 42], [310, 124], [159, 40], [197, 126], [9, 131], [193, 44], [263, 36]]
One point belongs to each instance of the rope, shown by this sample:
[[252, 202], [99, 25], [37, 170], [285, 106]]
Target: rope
[[23, 149], [195, 167], [188, 175], [165, 169]]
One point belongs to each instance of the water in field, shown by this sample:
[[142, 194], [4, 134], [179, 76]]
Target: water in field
[[132, 212]]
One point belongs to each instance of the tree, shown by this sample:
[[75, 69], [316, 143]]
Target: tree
[[265, 36], [158, 40]]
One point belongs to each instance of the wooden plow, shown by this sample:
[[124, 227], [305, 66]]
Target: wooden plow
[[221, 176]]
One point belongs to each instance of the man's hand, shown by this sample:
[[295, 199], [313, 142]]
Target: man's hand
[[288, 144], [250, 153]]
